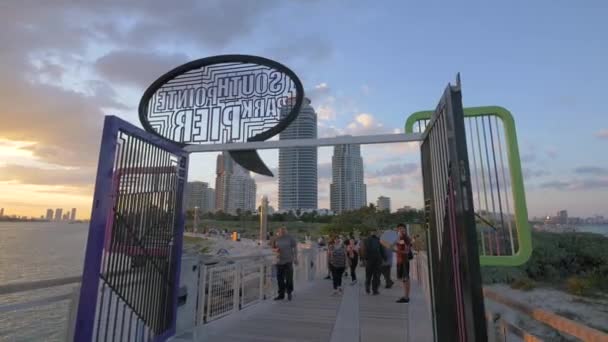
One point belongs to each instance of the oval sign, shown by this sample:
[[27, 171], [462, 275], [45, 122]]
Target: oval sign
[[222, 99]]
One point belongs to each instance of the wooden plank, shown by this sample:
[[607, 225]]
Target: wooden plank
[[309, 317]]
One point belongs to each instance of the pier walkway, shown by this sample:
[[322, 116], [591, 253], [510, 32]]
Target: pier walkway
[[317, 315]]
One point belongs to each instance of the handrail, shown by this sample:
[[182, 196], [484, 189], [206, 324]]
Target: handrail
[[37, 284], [553, 320]]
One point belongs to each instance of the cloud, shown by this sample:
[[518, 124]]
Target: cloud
[[39, 176], [394, 176], [551, 152], [366, 124], [576, 184], [602, 134], [591, 170], [323, 102], [136, 68], [533, 173], [310, 48], [396, 169]]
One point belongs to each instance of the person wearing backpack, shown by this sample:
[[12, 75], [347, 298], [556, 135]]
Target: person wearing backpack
[[403, 249], [338, 265], [373, 253]]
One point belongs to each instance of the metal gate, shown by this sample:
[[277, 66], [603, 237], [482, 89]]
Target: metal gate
[[133, 253], [457, 298]]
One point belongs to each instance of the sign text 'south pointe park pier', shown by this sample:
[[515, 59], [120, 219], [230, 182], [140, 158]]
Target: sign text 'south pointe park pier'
[[208, 102]]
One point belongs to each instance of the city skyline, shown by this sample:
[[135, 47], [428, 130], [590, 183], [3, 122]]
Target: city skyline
[[358, 79]]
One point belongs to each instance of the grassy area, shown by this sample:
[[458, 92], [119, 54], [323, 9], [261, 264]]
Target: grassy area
[[197, 245]]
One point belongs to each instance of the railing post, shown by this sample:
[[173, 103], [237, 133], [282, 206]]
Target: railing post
[[210, 299], [202, 294], [261, 283], [237, 286]]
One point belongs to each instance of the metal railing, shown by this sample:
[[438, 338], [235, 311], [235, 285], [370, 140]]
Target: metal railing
[[223, 287], [36, 310], [233, 284]]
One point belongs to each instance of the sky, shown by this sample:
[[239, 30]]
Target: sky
[[366, 67]]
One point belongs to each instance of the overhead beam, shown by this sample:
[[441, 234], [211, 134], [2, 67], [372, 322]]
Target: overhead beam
[[341, 140]]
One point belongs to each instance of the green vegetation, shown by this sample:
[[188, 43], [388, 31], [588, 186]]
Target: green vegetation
[[363, 221], [525, 284], [577, 262], [197, 245]]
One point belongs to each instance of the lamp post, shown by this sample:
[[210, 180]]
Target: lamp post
[[195, 228]]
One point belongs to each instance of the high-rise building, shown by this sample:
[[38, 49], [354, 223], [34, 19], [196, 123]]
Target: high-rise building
[[73, 214], [235, 189], [298, 165], [1, 212], [198, 194], [383, 203], [49, 214], [58, 214], [347, 190], [209, 206]]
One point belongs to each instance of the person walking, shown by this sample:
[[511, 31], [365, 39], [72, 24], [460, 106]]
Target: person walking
[[404, 252], [338, 265], [352, 254], [286, 248], [373, 252], [330, 246], [387, 264]]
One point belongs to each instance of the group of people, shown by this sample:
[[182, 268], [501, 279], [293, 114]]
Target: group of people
[[376, 254]]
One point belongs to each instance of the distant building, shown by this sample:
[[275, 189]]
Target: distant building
[[235, 189], [58, 214], [1, 212], [405, 209], [347, 190], [209, 205], [383, 203], [73, 214], [49, 214], [298, 185], [562, 216], [196, 195]]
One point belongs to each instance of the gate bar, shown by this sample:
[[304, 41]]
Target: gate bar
[[341, 140]]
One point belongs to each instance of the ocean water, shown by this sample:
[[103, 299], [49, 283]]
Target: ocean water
[[34, 251], [598, 229]]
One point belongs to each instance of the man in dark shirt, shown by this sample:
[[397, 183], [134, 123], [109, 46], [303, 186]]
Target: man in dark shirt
[[286, 248], [373, 253]]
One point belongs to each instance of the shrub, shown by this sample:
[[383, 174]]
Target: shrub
[[524, 284], [579, 286]]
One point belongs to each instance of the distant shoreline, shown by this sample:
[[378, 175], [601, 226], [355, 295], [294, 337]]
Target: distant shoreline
[[10, 219]]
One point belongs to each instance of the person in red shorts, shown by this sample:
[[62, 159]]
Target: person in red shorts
[[403, 249]]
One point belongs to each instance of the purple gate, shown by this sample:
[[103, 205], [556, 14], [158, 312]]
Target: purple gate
[[132, 262]]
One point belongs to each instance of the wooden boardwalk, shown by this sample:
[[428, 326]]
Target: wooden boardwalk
[[316, 315]]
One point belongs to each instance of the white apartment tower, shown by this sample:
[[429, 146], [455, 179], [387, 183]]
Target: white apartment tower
[[347, 190], [298, 165]]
